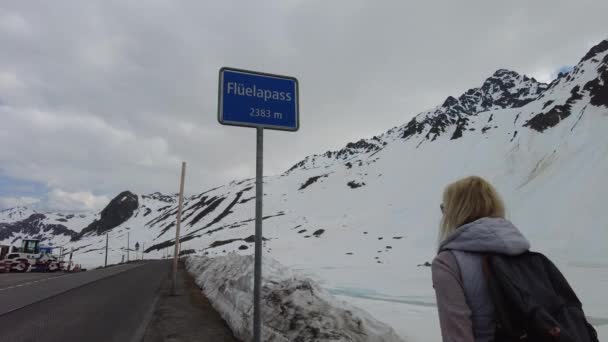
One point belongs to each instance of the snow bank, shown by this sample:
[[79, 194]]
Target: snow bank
[[294, 308]]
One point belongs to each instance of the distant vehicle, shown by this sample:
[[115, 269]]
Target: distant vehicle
[[3, 252], [32, 257]]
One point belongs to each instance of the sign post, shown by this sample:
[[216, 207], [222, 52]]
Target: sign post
[[262, 101]]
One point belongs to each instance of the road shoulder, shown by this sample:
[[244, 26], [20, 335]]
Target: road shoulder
[[187, 316]]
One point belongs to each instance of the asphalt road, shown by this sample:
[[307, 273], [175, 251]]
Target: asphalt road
[[113, 304], [8, 280], [19, 290]]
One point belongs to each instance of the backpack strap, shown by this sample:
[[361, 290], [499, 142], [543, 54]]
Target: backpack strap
[[485, 265], [455, 262]]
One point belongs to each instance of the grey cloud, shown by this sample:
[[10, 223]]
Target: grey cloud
[[21, 201], [129, 88]]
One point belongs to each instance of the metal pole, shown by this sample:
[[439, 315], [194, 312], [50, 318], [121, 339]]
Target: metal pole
[[177, 226], [70, 262], [259, 196], [128, 245], [143, 247], [106, 264]]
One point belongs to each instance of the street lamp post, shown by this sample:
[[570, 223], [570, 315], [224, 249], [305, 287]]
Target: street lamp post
[[128, 245], [106, 263]]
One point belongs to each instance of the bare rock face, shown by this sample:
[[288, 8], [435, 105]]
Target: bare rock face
[[118, 211]]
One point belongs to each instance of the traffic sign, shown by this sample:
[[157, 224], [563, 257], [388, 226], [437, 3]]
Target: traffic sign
[[264, 101], [256, 99]]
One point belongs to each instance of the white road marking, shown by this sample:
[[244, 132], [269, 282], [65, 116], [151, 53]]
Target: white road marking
[[33, 282], [59, 276]]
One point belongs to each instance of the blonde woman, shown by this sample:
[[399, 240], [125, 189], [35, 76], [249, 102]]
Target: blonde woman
[[473, 223]]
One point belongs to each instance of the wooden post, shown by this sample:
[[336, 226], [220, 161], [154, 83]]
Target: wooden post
[[177, 226]]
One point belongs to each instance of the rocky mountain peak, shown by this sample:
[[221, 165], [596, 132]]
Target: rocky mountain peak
[[503, 89], [597, 49], [118, 211]]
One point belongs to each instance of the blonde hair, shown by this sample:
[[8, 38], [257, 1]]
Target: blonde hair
[[467, 200]]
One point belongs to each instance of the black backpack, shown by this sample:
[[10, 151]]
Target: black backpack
[[533, 301]]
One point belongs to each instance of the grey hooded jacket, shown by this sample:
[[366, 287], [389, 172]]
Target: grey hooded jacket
[[466, 313]]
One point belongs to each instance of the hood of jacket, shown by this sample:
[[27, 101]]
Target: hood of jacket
[[487, 235]]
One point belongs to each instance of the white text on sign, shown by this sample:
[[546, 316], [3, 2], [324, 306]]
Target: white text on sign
[[264, 113], [241, 90]]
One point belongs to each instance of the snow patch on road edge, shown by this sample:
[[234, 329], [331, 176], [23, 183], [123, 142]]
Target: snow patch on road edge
[[294, 308]]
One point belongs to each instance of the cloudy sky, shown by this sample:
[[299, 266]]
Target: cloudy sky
[[100, 96]]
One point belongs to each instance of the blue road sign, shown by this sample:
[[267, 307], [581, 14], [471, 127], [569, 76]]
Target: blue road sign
[[255, 99]]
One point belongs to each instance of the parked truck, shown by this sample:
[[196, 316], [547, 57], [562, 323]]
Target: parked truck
[[30, 257]]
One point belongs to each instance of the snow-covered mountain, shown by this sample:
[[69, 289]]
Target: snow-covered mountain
[[51, 228], [362, 218]]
